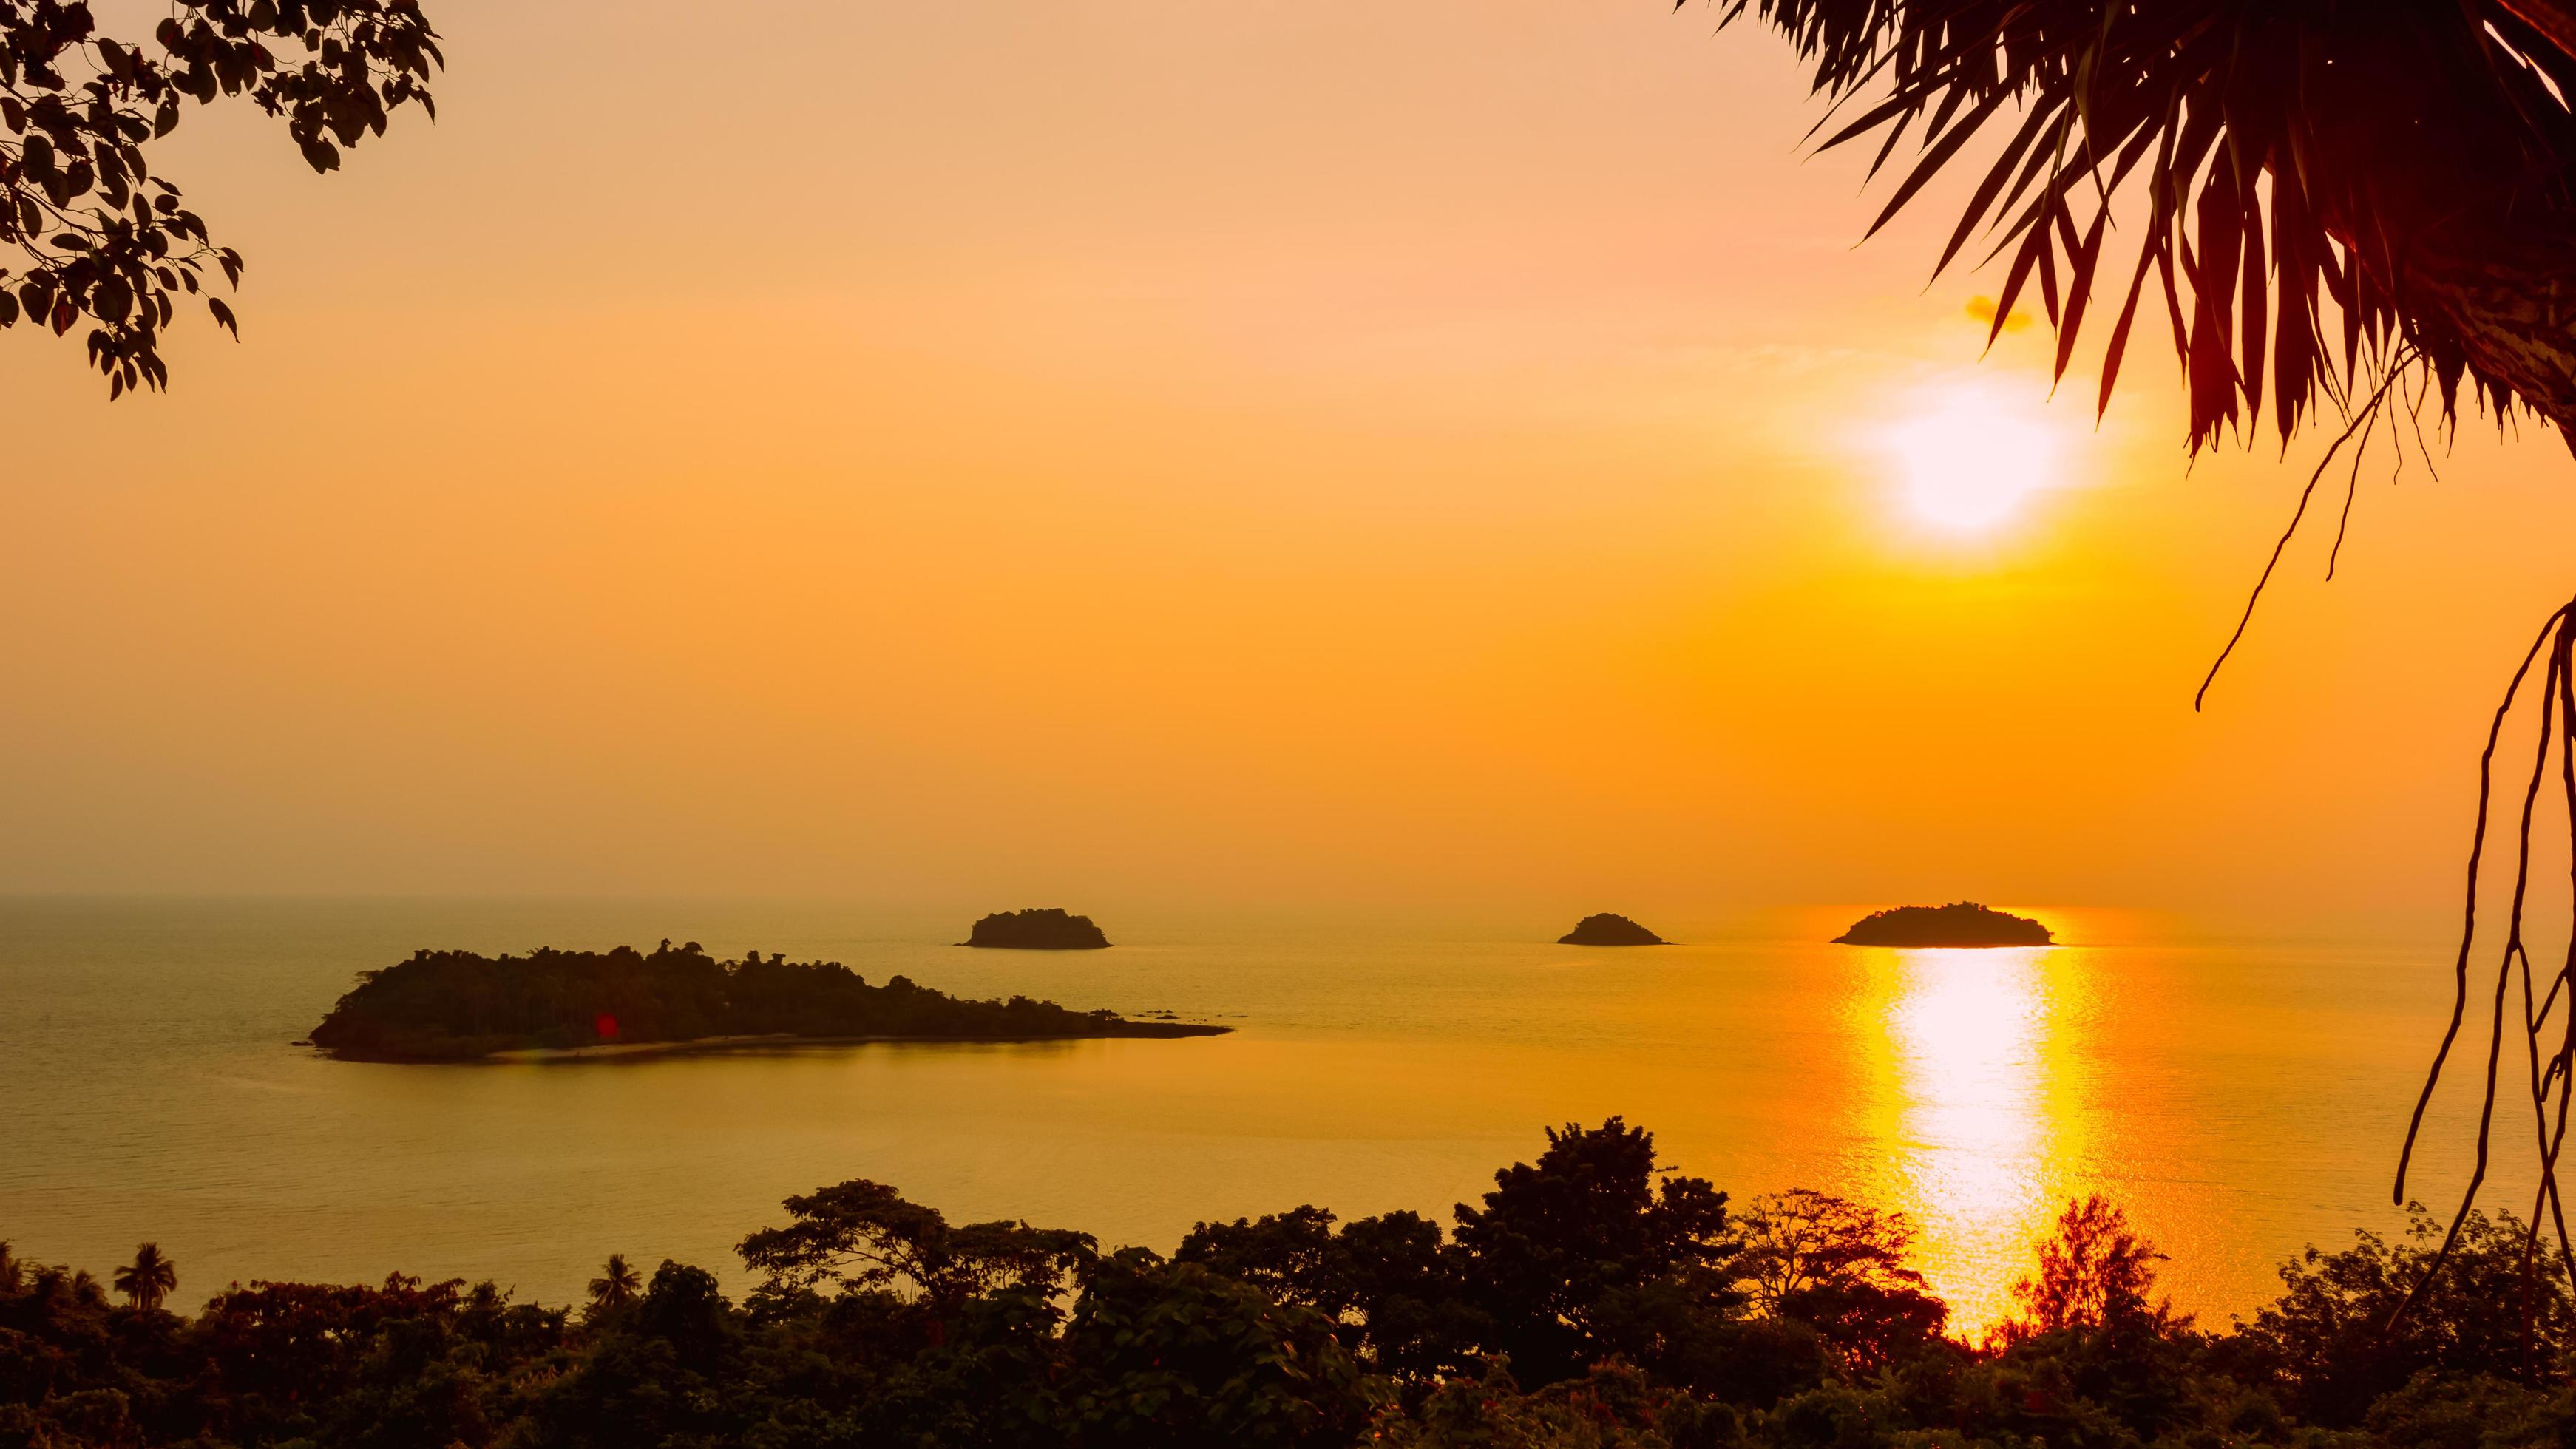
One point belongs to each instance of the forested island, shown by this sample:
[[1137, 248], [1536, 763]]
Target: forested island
[[1590, 1300], [1960, 923], [445, 1006], [1606, 929], [1050, 929]]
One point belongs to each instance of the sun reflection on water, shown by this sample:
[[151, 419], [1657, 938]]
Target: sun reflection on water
[[1977, 1139]]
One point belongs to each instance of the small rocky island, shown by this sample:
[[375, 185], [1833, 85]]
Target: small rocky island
[[1960, 923], [452, 1006], [1051, 929], [1606, 929]]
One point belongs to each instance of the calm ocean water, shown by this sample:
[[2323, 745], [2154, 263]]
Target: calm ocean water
[[2242, 1099]]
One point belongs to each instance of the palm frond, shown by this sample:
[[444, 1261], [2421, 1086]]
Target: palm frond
[[2400, 169]]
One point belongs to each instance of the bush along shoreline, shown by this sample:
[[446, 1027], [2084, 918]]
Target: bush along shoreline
[[1592, 1300], [451, 1006]]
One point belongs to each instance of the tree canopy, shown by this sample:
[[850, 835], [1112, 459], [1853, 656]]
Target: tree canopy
[[877, 1322], [99, 235]]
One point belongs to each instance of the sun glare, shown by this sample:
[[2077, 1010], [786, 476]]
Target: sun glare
[[1968, 454]]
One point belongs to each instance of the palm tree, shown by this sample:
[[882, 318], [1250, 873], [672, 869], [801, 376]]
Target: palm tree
[[615, 1287], [2347, 202], [148, 1279], [13, 1274]]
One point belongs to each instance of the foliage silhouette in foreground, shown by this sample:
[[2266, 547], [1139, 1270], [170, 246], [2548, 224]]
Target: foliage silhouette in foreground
[[616, 1285], [148, 1279], [1593, 1299], [2096, 1272], [98, 235]]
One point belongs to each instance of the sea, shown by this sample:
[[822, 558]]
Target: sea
[[2241, 1098]]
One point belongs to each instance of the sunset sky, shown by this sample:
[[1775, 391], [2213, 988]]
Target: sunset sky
[[1137, 452]]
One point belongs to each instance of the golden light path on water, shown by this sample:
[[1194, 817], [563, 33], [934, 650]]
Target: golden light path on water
[[1960, 1092]]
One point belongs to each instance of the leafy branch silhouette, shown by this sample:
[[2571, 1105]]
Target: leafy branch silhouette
[[98, 234]]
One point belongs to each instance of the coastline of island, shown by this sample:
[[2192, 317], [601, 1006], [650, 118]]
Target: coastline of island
[[1958, 924], [560, 1006], [1038, 928], [1609, 929], [1128, 1030]]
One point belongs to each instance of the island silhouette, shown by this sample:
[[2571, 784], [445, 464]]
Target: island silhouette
[[1960, 923], [1606, 929], [1051, 929], [447, 1006]]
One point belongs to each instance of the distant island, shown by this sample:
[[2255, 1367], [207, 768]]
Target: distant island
[[448, 1006], [1051, 929], [1606, 929], [1960, 923]]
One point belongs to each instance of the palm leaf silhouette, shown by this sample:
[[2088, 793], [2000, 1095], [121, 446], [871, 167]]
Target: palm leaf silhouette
[[2319, 189]]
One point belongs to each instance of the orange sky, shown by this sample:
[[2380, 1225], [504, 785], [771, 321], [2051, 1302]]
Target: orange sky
[[1268, 452]]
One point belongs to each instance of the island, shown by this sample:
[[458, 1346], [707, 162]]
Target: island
[[1606, 929], [453, 1006], [1052, 929], [1960, 923]]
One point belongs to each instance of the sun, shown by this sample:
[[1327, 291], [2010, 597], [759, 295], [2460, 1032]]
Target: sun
[[1967, 454]]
